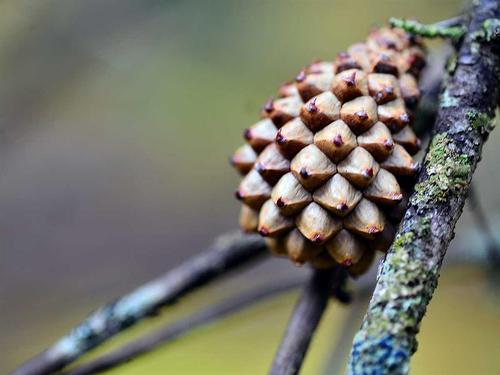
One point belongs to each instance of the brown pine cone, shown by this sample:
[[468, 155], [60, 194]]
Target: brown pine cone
[[326, 166]]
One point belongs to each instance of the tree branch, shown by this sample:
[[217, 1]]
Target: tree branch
[[304, 320], [409, 274], [228, 253], [180, 328], [438, 30], [220, 310], [173, 331]]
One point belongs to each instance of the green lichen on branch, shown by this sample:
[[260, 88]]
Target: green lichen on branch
[[451, 65], [491, 29], [447, 101], [407, 266], [409, 273], [447, 172], [429, 31], [413, 280], [489, 32], [480, 121]]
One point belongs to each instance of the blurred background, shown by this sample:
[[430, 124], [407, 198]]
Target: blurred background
[[117, 118]]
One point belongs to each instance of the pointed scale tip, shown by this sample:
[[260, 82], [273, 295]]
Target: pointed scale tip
[[311, 106], [280, 138], [350, 80], [263, 231], [347, 263], [343, 207], [301, 76], [404, 118], [280, 203], [361, 115], [338, 141], [373, 230], [389, 144], [269, 106], [247, 134], [304, 173], [317, 238]]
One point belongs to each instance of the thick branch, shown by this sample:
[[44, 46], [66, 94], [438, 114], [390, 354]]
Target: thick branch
[[181, 327], [226, 254], [305, 319], [410, 272]]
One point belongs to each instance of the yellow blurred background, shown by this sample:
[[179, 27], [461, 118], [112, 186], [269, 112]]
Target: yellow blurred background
[[117, 118]]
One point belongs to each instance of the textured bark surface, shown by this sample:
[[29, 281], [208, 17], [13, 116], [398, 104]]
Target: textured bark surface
[[409, 275], [226, 254]]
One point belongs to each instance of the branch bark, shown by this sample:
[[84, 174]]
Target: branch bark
[[228, 253], [176, 330], [409, 274], [305, 319]]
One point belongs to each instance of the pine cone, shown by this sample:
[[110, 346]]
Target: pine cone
[[325, 170]]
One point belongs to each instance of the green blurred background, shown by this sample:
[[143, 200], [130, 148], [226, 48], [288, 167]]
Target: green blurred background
[[116, 121]]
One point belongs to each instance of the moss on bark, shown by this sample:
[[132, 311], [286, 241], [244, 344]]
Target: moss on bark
[[409, 274]]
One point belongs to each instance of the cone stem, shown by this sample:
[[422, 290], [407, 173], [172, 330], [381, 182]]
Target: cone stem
[[304, 320]]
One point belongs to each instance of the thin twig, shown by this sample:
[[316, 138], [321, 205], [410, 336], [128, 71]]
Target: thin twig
[[226, 254], [178, 329], [438, 30], [408, 276], [304, 320], [451, 22]]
